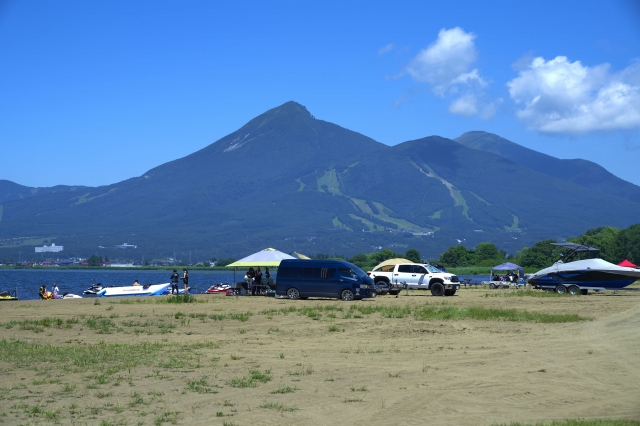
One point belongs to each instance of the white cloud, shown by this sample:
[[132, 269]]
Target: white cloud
[[445, 60], [559, 96], [465, 105], [446, 65], [385, 49]]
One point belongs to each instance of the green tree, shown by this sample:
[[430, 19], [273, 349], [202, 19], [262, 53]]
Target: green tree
[[382, 255], [94, 260], [225, 262], [360, 260], [602, 238], [413, 255], [457, 256], [626, 245], [487, 254], [540, 255], [106, 259]]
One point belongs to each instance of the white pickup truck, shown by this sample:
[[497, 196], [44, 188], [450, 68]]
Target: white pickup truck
[[416, 276]]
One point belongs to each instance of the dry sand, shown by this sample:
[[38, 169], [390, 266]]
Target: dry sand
[[372, 370]]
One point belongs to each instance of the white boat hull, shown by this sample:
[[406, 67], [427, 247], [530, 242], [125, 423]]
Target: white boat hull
[[134, 290]]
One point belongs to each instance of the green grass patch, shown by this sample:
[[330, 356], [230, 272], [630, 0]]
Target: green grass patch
[[25, 354], [252, 381], [492, 314], [277, 406], [38, 325], [533, 293], [181, 298], [200, 386], [286, 389]]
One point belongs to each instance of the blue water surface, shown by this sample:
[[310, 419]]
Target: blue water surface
[[27, 282]]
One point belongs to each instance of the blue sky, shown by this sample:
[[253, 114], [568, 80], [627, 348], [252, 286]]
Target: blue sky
[[92, 93]]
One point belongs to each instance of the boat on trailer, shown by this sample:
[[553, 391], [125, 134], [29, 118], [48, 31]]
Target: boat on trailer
[[134, 290], [580, 276]]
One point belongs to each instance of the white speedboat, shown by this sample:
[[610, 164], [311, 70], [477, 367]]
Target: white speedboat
[[583, 275], [134, 290]]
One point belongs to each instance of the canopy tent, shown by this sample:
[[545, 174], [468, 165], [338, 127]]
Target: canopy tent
[[507, 266], [266, 257], [627, 264], [297, 255], [391, 263]]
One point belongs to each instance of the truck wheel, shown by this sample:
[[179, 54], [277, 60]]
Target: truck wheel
[[346, 295], [449, 292], [573, 290], [293, 293], [561, 289], [437, 289], [584, 292]]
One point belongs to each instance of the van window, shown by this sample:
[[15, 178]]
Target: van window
[[327, 273], [297, 273], [348, 273], [284, 272]]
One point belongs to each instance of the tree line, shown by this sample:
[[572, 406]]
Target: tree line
[[614, 244]]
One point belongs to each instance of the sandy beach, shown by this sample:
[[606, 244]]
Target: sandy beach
[[247, 361]]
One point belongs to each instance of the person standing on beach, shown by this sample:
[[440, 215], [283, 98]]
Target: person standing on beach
[[174, 282], [185, 280], [257, 282], [55, 290]]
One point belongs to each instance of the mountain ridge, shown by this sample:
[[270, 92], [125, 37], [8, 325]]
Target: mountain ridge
[[289, 180]]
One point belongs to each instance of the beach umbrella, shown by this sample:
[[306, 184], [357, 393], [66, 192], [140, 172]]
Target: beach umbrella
[[266, 257]]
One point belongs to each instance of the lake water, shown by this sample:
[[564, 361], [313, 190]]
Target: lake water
[[28, 281]]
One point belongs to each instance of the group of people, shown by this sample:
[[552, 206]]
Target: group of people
[[53, 294], [254, 279], [175, 278], [512, 277]]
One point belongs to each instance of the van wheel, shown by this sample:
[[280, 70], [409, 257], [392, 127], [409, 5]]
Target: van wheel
[[293, 293], [573, 290], [437, 289], [346, 295]]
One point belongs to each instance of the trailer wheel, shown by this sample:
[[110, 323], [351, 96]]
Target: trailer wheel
[[346, 295], [449, 292], [573, 290], [293, 293], [492, 286], [561, 289], [437, 289], [584, 292]]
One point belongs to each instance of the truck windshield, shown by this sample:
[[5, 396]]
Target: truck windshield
[[433, 269]]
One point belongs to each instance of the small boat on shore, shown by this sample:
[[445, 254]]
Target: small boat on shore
[[5, 296], [134, 290], [218, 288]]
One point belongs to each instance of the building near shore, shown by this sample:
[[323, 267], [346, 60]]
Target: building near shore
[[49, 249]]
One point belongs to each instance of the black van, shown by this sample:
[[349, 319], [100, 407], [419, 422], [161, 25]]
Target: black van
[[299, 279]]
